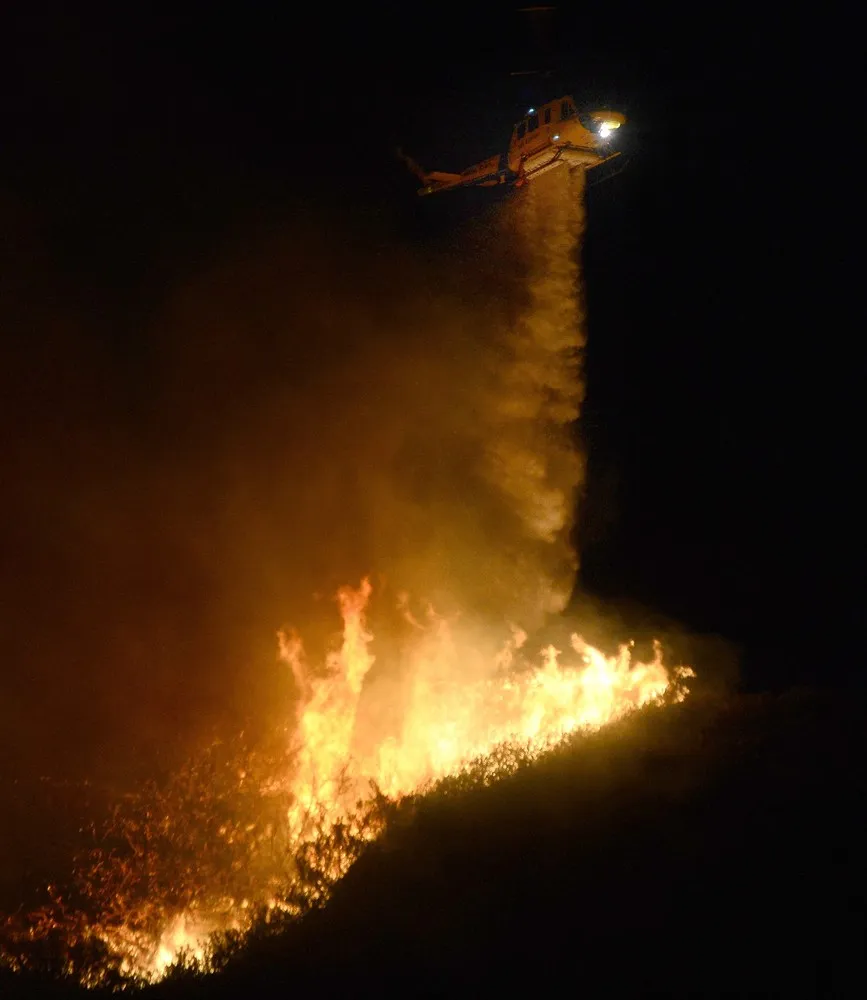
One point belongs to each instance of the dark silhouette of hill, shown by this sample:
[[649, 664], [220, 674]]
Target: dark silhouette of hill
[[710, 847], [703, 848]]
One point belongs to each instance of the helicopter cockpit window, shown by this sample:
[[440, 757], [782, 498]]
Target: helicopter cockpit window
[[534, 123], [547, 116], [522, 128]]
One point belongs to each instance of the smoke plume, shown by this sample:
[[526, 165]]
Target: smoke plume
[[304, 407]]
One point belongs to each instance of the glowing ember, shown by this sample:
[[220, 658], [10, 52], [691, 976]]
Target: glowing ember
[[243, 834]]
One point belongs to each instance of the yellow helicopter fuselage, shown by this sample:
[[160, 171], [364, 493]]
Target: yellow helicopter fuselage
[[553, 134]]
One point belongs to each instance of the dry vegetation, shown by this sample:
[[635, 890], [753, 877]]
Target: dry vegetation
[[712, 846]]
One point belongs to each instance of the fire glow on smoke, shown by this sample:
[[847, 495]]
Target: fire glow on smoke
[[243, 835], [236, 838]]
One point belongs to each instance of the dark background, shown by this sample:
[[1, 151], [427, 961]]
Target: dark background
[[134, 139]]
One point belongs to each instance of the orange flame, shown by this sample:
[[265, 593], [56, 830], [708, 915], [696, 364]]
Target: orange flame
[[448, 720], [301, 818]]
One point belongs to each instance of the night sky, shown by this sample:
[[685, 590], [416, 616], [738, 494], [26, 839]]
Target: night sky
[[136, 145]]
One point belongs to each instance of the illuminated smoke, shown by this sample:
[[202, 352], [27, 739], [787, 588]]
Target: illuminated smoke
[[326, 415], [303, 408]]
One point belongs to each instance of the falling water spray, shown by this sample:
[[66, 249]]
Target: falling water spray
[[532, 455]]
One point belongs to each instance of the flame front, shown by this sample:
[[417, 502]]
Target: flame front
[[233, 839], [446, 722]]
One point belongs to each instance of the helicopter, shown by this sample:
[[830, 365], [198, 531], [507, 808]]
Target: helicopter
[[554, 134]]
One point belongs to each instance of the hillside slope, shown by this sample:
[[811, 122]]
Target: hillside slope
[[711, 847], [705, 847]]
